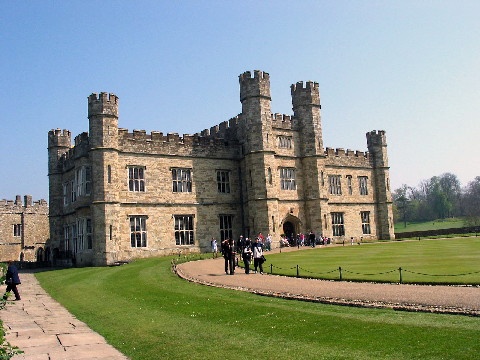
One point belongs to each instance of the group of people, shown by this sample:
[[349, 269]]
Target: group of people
[[246, 249]]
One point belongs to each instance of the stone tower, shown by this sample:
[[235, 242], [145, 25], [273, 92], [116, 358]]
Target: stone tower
[[256, 134], [306, 108], [377, 146], [103, 137], [59, 144]]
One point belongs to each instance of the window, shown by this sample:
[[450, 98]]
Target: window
[[73, 194], [88, 234], [284, 142], [338, 226], [138, 231], [73, 231], [269, 176], [365, 215], [182, 180], [349, 184], [226, 227], [136, 178], [223, 181], [362, 183], [109, 174], [17, 230], [335, 185], [80, 233], [83, 179], [65, 194], [287, 179], [66, 238], [184, 230]]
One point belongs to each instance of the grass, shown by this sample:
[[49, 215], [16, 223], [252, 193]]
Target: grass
[[448, 261], [147, 312], [450, 223]]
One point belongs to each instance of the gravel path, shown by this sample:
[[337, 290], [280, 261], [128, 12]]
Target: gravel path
[[463, 300]]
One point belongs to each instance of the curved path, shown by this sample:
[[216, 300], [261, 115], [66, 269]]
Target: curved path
[[442, 299]]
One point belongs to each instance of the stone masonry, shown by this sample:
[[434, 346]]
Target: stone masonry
[[117, 195], [24, 229]]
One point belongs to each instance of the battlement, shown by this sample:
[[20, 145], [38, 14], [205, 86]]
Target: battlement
[[283, 121], [375, 138], [258, 86], [307, 94], [58, 137], [340, 152], [9, 205], [103, 104]]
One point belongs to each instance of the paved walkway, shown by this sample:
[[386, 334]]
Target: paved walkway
[[439, 299], [44, 330]]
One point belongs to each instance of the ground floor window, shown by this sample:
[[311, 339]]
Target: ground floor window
[[365, 215], [338, 225], [184, 230], [226, 227], [138, 231]]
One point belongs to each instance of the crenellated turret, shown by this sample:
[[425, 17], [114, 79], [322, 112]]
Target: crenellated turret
[[377, 146], [59, 142], [306, 109], [255, 99], [103, 120]]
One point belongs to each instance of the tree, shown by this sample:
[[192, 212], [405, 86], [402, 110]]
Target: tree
[[471, 202]]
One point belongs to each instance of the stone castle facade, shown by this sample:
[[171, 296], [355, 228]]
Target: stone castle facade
[[24, 229], [117, 195]]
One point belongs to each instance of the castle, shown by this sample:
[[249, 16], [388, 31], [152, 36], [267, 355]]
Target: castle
[[24, 229], [117, 195]]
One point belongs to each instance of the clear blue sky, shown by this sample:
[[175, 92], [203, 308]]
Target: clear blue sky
[[411, 68]]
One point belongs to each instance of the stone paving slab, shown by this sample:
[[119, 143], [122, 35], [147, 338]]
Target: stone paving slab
[[44, 330]]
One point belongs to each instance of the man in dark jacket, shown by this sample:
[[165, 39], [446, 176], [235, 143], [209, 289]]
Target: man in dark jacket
[[12, 280]]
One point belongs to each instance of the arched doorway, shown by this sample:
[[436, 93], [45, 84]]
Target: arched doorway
[[289, 231]]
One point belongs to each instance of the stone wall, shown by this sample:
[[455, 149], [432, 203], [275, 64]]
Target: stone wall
[[30, 220]]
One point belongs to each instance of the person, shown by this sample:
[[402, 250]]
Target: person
[[241, 243], [12, 279], [258, 256], [225, 254], [247, 255], [231, 255], [268, 243], [214, 247], [311, 238]]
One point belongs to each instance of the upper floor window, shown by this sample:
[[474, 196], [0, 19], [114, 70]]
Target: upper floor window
[[335, 185], [284, 142], [287, 179], [183, 229], [223, 181], [338, 224], [349, 184], [65, 193], [83, 180], [182, 180], [365, 216], [136, 178], [363, 185], [17, 229], [138, 231]]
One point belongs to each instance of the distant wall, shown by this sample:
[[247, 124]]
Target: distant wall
[[438, 232]]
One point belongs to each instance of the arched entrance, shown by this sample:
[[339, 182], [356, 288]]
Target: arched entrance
[[289, 231]]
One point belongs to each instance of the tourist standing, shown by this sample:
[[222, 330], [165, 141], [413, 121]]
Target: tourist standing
[[247, 255], [214, 247], [257, 250]]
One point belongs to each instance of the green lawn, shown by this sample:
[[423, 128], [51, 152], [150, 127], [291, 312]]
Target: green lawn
[[147, 312], [429, 225], [446, 261]]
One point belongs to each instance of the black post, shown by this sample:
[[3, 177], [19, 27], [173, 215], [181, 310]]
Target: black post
[[298, 274], [400, 271], [340, 271]]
